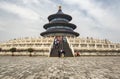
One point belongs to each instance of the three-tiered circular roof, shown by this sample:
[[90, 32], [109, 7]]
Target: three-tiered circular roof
[[59, 23]]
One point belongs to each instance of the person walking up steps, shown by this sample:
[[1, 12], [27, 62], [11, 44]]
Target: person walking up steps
[[62, 53]]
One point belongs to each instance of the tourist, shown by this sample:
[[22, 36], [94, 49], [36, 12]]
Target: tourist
[[62, 53], [78, 54], [56, 42]]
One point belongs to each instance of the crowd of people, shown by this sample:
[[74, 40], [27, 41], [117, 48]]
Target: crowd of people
[[58, 45]]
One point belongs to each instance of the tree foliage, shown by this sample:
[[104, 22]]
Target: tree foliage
[[13, 49], [0, 49], [30, 50]]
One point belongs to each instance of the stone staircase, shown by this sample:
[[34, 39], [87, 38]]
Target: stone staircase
[[62, 45]]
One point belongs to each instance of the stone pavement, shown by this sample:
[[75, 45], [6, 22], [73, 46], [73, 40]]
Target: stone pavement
[[24, 67]]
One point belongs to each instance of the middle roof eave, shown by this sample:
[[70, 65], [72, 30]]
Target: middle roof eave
[[73, 26]]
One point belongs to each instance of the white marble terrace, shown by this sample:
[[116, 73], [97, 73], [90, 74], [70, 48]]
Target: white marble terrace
[[43, 45]]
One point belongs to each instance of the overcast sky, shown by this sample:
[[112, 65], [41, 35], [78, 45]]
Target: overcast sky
[[94, 18]]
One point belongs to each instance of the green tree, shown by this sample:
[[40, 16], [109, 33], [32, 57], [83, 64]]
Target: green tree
[[30, 50], [0, 49], [13, 50]]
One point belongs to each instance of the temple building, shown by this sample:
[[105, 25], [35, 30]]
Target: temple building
[[59, 36], [59, 25]]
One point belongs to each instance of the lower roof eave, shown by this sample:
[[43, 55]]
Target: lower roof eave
[[46, 33]]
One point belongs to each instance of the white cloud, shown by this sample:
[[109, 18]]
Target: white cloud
[[102, 15], [30, 1], [22, 12], [99, 21], [91, 19]]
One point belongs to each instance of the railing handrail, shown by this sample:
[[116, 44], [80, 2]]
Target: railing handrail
[[51, 47], [71, 47]]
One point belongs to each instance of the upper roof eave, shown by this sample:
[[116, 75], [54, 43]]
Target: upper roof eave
[[68, 17]]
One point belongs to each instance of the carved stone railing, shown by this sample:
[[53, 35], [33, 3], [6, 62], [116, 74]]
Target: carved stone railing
[[52, 43], [71, 47]]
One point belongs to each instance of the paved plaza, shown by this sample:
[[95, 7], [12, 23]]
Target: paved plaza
[[25, 67]]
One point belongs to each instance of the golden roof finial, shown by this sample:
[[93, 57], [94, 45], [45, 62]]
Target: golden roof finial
[[59, 7]]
